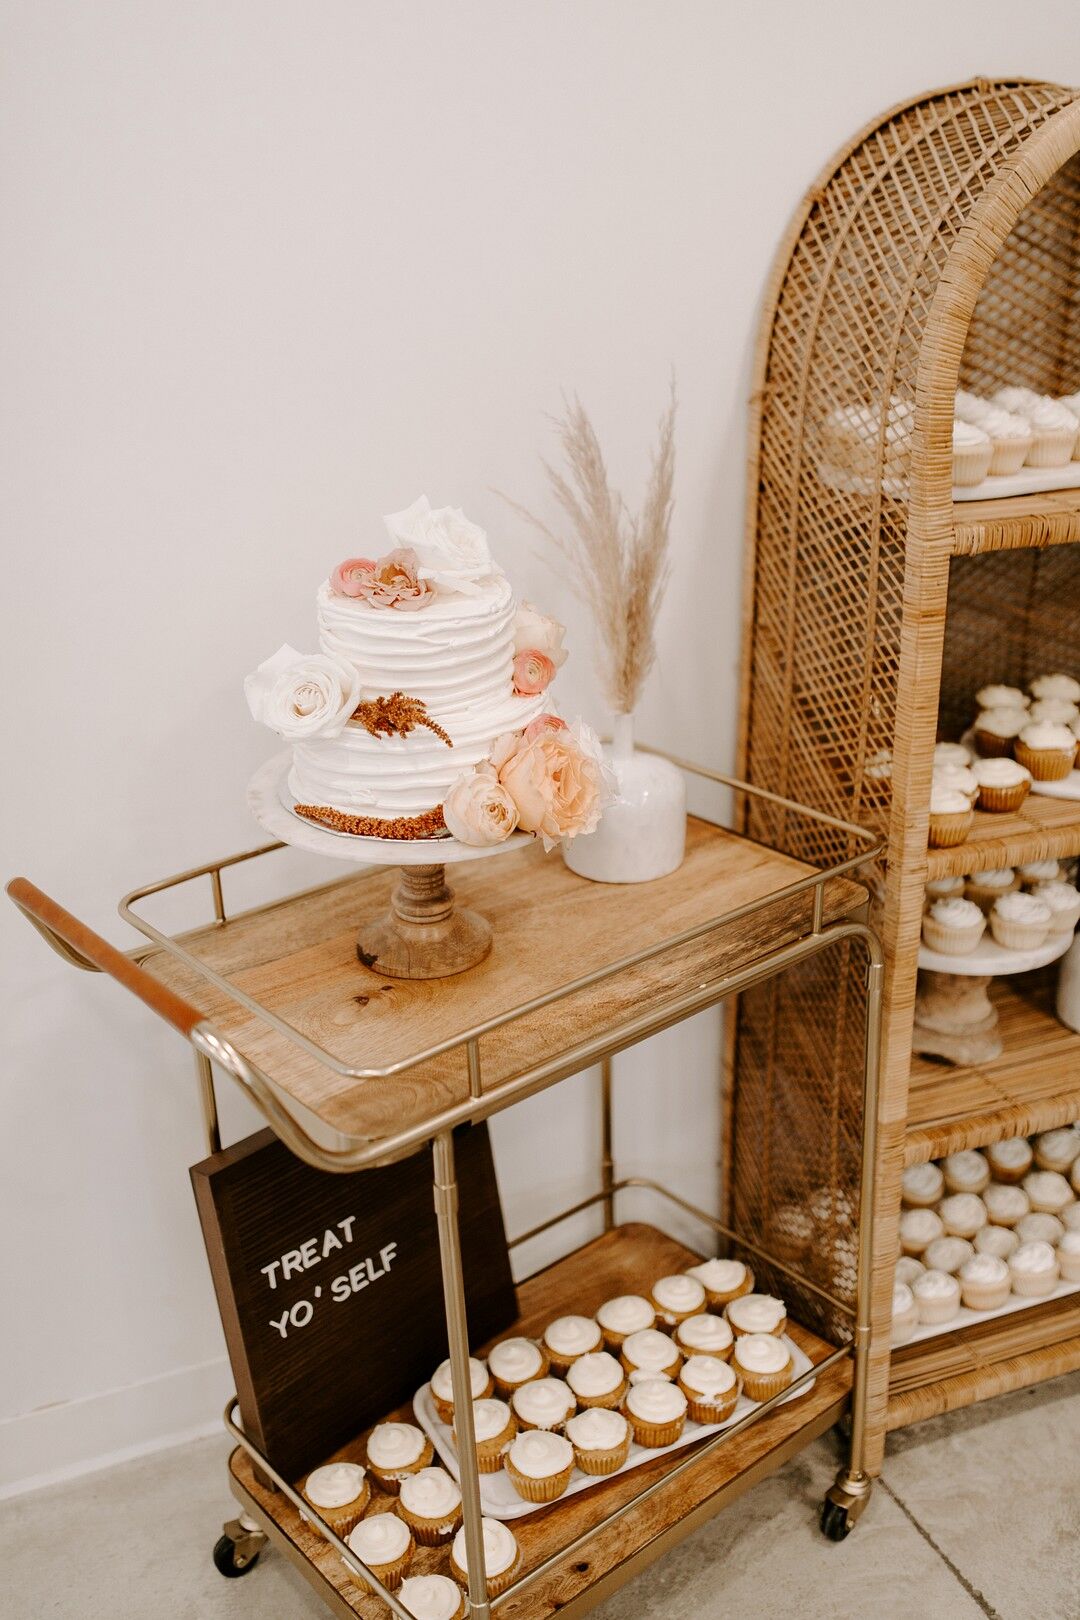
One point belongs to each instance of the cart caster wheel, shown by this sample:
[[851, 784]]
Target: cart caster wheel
[[228, 1562], [835, 1521], [237, 1549]]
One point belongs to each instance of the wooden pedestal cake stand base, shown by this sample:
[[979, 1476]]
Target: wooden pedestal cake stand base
[[954, 1016], [423, 935]]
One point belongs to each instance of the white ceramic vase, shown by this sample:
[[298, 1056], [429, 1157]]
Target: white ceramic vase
[[642, 835]]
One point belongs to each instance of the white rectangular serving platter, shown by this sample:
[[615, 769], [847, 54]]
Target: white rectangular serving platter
[[965, 1317], [1028, 481], [498, 1497]]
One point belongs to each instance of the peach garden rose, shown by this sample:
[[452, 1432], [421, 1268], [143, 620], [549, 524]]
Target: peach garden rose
[[559, 788], [478, 810]]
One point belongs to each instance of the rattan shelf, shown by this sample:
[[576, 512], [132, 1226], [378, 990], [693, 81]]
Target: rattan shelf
[[937, 250]]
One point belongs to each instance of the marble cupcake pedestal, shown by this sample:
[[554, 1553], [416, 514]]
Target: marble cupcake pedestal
[[954, 1016], [424, 935]]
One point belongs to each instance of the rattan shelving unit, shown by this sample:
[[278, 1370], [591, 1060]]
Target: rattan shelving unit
[[941, 247]]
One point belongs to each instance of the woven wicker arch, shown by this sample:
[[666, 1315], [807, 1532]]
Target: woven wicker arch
[[941, 245]]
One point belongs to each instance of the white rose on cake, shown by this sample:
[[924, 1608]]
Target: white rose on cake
[[302, 695], [539, 632], [450, 551]]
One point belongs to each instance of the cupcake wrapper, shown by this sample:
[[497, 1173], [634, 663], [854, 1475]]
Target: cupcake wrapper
[[696, 1350], [391, 1575], [1045, 764], [1042, 1162], [1011, 1176], [654, 1435], [1051, 447], [759, 1386], [971, 463], [1034, 1284], [342, 1520], [717, 1299], [496, 1584], [933, 1312], [951, 829], [1007, 456], [993, 747], [984, 1296], [1018, 936], [548, 1489], [602, 1462], [389, 1479], [669, 1371], [427, 1532], [609, 1401], [950, 941], [1069, 1264], [490, 1454], [711, 1411], [1003, 799]]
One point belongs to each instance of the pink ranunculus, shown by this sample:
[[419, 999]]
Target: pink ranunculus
[[533, 672], [393, 583], [542, 723], [558, 788], [348, 577]]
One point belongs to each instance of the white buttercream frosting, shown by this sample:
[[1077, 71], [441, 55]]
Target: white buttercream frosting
[[1064, 902], [935, 1285], [656, 1400], [1039, 872], [903, 1300], [596, 1373], [947, 802], [381, 1539], [1070, 1242], [1045, 736], [996, 877], [707, 1375], [430, 1597], [597, 1429], [1050, 414], [1002, 722], [956, 779], [545, 1402], [500, 1548], [651, 1350], [984, 1268], [442, 1383], [490, 1418], [947, 1254], [1005, 1204], [923, 1182], [908, 1268], [918, 1227], [761, 1352], [538, 1454], [1056, 686], [431, 1494], [1039, 1226], [1035, 1256], [1047, 1189], [626, 1313], [704, 1333], [952, 753], [955, 913], [1062, 1145], [1012, 1153], [756, 1313], [1015, 398], [679, 1293], [965, 435], [395, 1445], [1059, 711], [719, 1276], [334, 1485], [999, 773], [963, 1212], [967, 1170], [940, 888], [999, 1240], [1021, 907], [572, 1335], [515, 1360], [1001, 697]]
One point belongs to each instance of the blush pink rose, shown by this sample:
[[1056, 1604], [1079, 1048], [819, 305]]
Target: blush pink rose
[[533, 672], [542, 723], [559, 789], [348, 577]]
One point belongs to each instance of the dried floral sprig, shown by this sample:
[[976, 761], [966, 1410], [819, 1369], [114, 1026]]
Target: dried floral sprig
[[620, 560], [396, 715], [429, 824]]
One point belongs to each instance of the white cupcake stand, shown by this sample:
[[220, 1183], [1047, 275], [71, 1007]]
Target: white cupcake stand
[[954, 1016]]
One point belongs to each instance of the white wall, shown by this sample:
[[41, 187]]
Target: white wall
[[271, 269]]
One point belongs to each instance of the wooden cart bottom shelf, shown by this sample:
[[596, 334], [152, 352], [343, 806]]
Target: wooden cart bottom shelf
[[628, 1258]]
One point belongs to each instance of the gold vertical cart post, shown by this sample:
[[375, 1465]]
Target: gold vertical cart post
[[358, 1090]]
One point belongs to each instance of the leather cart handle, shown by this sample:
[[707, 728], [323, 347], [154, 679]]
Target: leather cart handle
[[79, 945]]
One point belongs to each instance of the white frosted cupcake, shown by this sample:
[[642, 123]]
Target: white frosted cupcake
[[921, 1185], [756, 1313], [984, 1282], [514, 1362], [494, 1427], [600, 1438], [385, 1545], [1033, 872], [972, 452], [569, 1337], [539, 1465], [1010, 440], [953, 927], [764, 1364], [626, 1313], [1005, 1203], [947, 1254], [544, 1403], [1057, 1150], [1034, 1270], [951, 818], [597, 1379], [705, 1335], [1068, 1254], [650, 1351], [949, 887], [442, 1388], [502, 1557], [907, 1269], [937, 1297], [1074, 1183], [1059, 711], [999, 1240], [396, 1450], [1056, 686], [953, 753], [711, 1388], [997, 696], [905, 1313], [1020, 922], [1010, 1160], [1038, 1226], [1053, 434], [678, 1297], [656, 1409], [1048, 1190], [339, 1492], [1048, 751], [1064, 903], [722, 1280], [1002, 785], [432, 1597], [957, 778], [967, 1171], [430, 1504], [962, 1214], [986, 887], [996, 730], [791, 1233], [918, 1227]]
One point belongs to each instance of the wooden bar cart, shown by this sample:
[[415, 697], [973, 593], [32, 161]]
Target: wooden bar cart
[[347, 1080]]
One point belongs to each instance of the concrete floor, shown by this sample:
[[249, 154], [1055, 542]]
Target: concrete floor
[[978, 1515]]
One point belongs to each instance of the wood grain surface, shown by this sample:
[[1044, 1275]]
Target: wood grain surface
[[627, 1259], [298, 959]]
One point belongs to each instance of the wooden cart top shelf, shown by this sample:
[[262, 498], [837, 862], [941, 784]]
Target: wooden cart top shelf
[[296, 962]]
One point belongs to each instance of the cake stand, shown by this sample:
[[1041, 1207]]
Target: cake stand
[[954, 1016], [423, 935]]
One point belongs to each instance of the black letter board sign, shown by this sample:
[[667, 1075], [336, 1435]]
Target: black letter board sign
[[329, 1286]]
